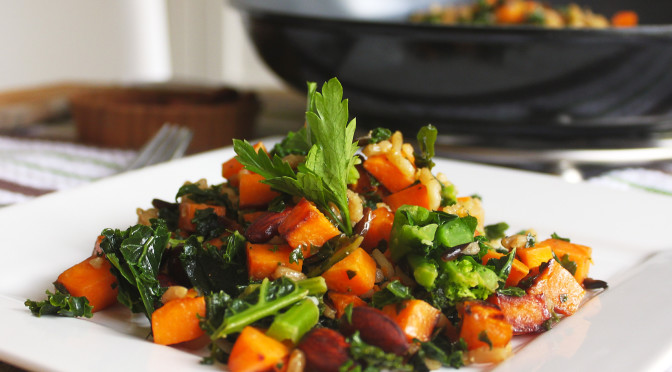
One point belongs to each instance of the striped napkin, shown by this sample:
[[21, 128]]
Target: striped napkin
[[29, 168]]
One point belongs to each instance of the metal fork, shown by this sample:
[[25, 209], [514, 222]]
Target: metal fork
[[170, 142]]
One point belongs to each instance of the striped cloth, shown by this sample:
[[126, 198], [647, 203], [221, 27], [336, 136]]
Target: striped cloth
[[29, 168]]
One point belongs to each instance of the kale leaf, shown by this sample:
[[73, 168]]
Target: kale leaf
[[135, 255], [426, 139], [212, 269], [60, 303]]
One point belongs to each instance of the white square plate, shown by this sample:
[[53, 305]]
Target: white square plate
[[626, 328]]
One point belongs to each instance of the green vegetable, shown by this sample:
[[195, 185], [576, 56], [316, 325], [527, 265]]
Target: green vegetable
[[315, 286], [459, 230], [558, 237], [426, 139], [136, 256], [60, 303], [502, 265], [367, 357], [211, 269], [413, 230], [463, 279], [449, 354], [393, 293], [379, 134], [323, 178], [207, 224], [267, 299], [295, 322], [424, 270], [496, 231]]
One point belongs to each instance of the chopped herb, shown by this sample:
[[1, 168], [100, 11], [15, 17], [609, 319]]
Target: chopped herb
[[426, 139], [62, 304], [379, 134], [556, 236], [496, 231], [483, 337]]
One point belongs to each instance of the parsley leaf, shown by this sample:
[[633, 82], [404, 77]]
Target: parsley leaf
[[323, 178]]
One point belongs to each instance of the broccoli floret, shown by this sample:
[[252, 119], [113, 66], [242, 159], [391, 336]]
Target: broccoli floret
[[463, 279]]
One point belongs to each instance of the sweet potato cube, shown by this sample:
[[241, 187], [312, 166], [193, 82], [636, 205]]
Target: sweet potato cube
[[527, 314], [563, 293], [188, 212], [342, 300], [355, 274], [264, 259], [416, 318], [483, 322], [580, 254], [254, 351], [231, 167], [252, 192], [178, 320], [387, 173], [518, 269], [535, 256], [380, 228], [92, 279], [305, 225], [413, 195]]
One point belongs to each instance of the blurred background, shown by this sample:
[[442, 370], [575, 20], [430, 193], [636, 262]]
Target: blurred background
[[108, 74]]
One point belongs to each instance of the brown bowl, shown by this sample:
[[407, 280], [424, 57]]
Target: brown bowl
[[126, 117]]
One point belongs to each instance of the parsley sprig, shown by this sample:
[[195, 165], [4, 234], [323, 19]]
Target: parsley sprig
[[323, 177]]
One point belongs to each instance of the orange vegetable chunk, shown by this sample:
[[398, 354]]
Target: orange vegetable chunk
[[535, 256], [188, 212], [518, 269], [387, 173], [413, 195], [231, 167], [563, 293], [263, 259], [625, 18], [342, 300], [355, 274], [580, 254], [92, 279], [480, 319], [253, 351], [380, 228], [177, 320], [416, 318], [252, 192], [527, 314], [305, 225]]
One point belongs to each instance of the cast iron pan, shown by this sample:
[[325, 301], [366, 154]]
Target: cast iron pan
[[477, 80]]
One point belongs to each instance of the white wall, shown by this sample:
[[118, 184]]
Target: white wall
[[47, 41], [53, 41], [208, 42]]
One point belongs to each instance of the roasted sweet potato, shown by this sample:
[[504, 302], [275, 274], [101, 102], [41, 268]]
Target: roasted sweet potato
[[263, 259], [527, 314], [254, 352], [562, 292], [92, 279], [518, 269], [305, 225], [416, 318], [413, 195], [579, 254], [388, 174], [379, 229], [231, 167], [355, 274], [342, 300], [252, 192], [177, 320], [188, 212], [483, 325], [535, 256]]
